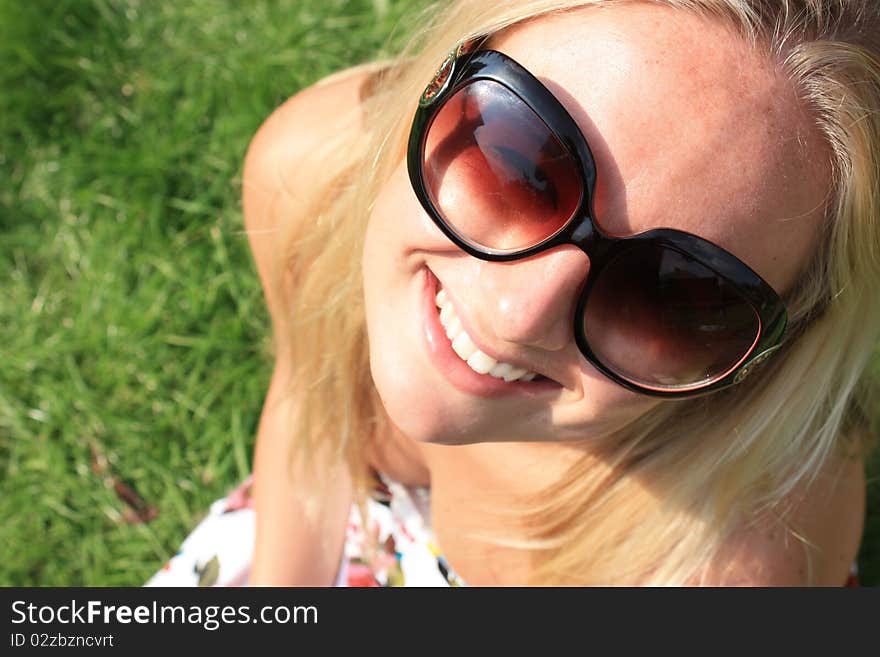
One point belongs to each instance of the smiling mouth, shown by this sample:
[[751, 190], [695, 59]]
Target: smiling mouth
[[464, 347]]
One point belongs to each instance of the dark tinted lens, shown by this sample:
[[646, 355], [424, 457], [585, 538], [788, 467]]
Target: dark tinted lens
[[495, 172], [661, 319]]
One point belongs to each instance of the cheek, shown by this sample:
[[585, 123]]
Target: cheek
[[604, 408], [392, 283], [387, 237]]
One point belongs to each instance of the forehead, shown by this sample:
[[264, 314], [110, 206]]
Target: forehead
[[690, 127]]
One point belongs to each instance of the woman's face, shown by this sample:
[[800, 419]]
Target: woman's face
[[689, 128]]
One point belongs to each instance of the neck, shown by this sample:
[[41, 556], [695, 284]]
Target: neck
[[503, 469], [475, 490]]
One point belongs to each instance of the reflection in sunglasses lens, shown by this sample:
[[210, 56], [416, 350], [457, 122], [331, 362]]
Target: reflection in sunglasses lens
[[660, 319], [497, 174]]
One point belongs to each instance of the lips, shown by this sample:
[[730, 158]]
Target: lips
[[467, 350], [461, 374]]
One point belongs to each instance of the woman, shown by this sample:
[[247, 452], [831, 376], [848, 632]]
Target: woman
[[455, 304]]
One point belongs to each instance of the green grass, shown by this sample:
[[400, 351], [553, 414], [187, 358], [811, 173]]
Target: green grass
[[133, 338]]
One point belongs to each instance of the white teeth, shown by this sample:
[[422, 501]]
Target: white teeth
[[501, 370], [453, 328], [481, 363], [462, 344]]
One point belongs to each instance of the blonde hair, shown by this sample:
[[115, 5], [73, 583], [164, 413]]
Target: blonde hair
[[712, 462]]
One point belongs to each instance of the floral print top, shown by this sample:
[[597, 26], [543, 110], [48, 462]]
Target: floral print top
[[399, 523], [402, 550]]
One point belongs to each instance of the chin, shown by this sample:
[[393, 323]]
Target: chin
[[414, 409], [431, 413]]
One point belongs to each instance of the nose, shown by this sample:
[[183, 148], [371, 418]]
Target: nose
[[531, 302]]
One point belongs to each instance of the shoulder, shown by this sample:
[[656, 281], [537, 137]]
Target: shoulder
[[281, 155], [293, 131], [283, 161], [815, 542]]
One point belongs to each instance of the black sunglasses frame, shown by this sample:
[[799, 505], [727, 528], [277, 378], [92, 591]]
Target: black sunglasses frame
[[462, 68]]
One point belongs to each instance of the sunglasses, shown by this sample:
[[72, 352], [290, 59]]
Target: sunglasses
[[503, 170]]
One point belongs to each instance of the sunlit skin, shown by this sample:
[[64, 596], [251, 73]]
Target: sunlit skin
[[689, 129]]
